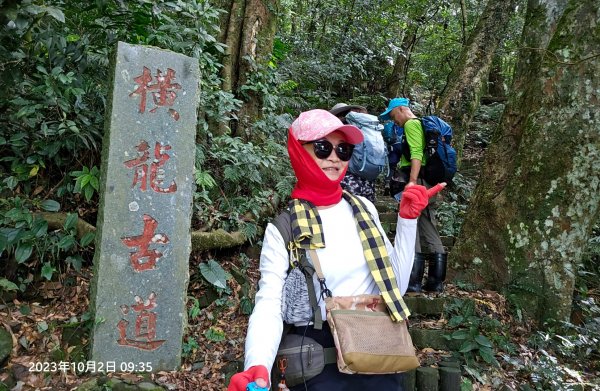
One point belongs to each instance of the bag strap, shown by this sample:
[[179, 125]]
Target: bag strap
[[325, 292], [315, 258], [283, 224]]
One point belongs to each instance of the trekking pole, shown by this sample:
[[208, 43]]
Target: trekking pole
[[282, 364]]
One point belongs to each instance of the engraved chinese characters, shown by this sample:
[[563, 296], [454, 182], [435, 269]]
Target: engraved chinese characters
[[143, 238], [145, 325], [156, 172], [165, 95], [143, 258]]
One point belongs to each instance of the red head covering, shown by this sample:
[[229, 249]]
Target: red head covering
[[312, 183]]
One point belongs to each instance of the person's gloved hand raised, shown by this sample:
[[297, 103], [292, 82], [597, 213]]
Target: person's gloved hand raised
[[415, 198], [257, 373]]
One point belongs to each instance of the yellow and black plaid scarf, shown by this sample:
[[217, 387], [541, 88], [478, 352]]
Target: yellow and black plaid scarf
[[307, 233]]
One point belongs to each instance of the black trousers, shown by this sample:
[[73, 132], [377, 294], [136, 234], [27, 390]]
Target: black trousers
[[332, 380]]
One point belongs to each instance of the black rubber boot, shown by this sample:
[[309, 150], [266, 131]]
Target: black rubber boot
[[416, 274], [436, 273]]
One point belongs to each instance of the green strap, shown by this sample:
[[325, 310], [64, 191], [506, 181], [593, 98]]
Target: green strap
[[308, 272], [330, 355]]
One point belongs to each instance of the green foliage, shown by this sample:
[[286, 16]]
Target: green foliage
[[87, 181], [204, 180], [214, 274], [246, 305], [215, 334], [55, 69], [246, 294], [190, 346], [7, 285], [55, 74], [546, 372], [485, 123], [326, 56], [521, 292], [263, 82], [24, 239], [452, 210], [48, 115], [245, 180], [333, 58], [48, 270], [466, 384], [19, 229], [479, 336], [436, 51], [588, 271], [450, 215], [194, 310], [576, 344], [465, 285]]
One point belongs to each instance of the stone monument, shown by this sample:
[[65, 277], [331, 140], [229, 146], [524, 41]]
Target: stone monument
[[143, 239]]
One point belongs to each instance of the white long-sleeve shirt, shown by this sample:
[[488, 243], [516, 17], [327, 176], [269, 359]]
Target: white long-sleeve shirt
[[344, 267]]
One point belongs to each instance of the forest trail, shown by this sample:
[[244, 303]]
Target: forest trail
[[51, 325]]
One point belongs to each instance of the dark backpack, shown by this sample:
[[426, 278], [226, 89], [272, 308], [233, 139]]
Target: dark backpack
[[440, 155], [392, 133]]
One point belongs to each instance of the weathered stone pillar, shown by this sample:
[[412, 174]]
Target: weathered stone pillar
[[143, 238]]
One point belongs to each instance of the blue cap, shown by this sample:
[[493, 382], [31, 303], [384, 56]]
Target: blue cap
[[396, 102]]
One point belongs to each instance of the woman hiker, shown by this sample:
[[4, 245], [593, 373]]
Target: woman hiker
[[325, 218]]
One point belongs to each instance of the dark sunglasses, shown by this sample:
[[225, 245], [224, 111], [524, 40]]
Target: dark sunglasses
[[323, 149]]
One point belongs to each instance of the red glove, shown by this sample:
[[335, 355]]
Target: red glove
[[257, 373], [415, 198]]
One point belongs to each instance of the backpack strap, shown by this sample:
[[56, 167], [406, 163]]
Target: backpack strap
[[283, 224]]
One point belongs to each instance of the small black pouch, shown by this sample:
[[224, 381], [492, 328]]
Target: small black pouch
[[303, 358]]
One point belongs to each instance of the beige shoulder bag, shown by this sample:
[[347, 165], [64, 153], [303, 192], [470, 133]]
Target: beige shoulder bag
[[366, 338]]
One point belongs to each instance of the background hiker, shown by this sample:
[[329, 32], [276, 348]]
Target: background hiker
[[324, 218], [370, 157], [400, 113]]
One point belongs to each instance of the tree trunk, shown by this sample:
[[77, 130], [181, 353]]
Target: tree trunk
[[322, 34], [257, 44], [461, 96], [231, 37], [295, 19], [495, 84], [248, 31], [463, 24], [538, 196], [397, 80], [314, 18]]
